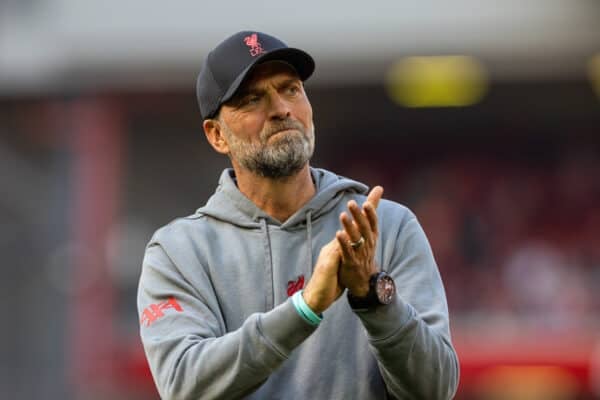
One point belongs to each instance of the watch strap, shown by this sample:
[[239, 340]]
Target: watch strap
[[370, 300]]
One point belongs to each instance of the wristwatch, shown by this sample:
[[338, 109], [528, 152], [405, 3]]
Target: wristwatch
[[382, 290]]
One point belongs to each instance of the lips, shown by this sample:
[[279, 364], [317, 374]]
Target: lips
[[285, 126], [283, 131]]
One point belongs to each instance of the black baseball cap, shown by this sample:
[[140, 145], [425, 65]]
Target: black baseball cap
[[226, 66]]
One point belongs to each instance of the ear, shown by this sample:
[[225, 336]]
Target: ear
[[214, 135]]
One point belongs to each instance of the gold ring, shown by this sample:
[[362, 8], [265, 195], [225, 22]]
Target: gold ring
[[358, 243]]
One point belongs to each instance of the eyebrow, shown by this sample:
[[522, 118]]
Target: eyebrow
[[244, 92], [249, 91]]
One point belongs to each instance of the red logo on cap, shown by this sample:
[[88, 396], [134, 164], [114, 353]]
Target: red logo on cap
[[255, 47]]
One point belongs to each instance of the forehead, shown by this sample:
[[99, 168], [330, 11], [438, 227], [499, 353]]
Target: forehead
[[268, 71]]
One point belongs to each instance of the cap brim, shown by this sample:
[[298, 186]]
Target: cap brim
[[302, 62]]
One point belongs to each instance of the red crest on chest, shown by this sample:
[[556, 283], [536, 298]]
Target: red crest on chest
[[294, 286]]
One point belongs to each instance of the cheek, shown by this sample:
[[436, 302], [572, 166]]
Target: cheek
[[305, 114], [248, 127]]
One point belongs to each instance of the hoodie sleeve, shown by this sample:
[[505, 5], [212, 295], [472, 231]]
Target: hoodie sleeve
[[410, 338], [189, 353]]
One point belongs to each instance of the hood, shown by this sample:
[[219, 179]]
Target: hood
[[230, 205]]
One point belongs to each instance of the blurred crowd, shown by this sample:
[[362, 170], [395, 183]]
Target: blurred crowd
[[514, 239]]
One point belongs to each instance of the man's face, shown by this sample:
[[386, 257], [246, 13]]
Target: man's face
[[268, 124]]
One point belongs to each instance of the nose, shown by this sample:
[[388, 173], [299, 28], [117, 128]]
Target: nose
[[279, 107]]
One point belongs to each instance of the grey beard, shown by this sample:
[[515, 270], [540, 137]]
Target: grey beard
[[282, 159]]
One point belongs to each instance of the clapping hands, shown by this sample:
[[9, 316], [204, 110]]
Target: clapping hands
[[349, 259]]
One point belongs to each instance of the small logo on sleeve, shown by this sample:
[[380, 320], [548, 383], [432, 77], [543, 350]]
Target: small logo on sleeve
[[294, 286], [156, 311], [255, 46]]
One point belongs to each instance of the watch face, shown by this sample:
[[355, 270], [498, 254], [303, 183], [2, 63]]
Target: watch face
[[385, 289]]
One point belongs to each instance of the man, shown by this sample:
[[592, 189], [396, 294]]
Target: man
[[234, 301]]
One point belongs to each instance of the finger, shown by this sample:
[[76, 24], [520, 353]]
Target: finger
[[371, 214], [350, 228], [336, 248], [331, 248], [334, 244], [374, 196], [360, 219], [344, 243]]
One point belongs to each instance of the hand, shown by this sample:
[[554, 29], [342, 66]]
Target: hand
[[323, 288], [358, 261]]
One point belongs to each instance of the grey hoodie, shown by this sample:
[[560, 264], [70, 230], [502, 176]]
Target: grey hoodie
[[217, 321]]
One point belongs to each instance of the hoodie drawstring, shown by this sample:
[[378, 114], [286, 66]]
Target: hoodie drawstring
[[264, 228], [269, 295], [309, 234]]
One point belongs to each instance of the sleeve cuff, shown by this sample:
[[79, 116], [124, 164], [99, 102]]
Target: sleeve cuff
[[285, 328], [383, 321]]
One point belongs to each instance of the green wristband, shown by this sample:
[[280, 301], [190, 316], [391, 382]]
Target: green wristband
[[304, 310]]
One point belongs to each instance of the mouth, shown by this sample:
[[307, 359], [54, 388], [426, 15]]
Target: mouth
[[286, 130], [283, 131]]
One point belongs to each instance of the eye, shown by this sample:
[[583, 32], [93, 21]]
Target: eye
[[293, 90], [249, 100]]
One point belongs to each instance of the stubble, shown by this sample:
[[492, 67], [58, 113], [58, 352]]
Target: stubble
[[276, 154]]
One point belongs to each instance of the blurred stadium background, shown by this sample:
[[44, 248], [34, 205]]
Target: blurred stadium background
[[483, 117]]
